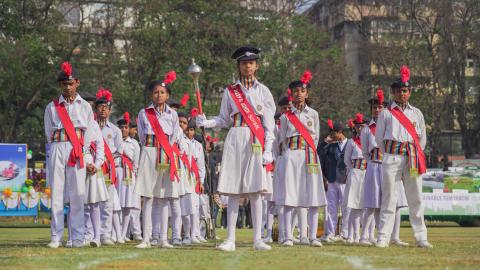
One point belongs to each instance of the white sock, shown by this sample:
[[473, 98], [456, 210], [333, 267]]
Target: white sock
[[232, 215], [313, 222], [256, 212]]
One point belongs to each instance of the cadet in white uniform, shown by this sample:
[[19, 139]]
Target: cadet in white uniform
[[403, 160], [301, 184], [65, 166], [158, 180], [111, 209], [243, 171]]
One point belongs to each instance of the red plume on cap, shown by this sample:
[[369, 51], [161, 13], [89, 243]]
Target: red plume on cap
[[405, 73], [67, 68], [330, 123], [194, 112], [170, 77], [358, 118], [306, 77], [289, 94], [350, 123], [126, 117], [104, 92], [184, 100], [380, 96], [210, 139]]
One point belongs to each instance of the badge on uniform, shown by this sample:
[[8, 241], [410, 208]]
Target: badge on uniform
[[109, 136], [309, 123], [414, 124], [259, 107]]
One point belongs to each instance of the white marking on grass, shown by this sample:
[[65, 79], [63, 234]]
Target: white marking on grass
[[355, 261], [84, 265]]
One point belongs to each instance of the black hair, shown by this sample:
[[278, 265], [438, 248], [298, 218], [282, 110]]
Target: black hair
[[156, 83]]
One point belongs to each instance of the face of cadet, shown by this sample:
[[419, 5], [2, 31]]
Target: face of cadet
[[358, 128], [69, 88], [300, 94], [183, 123], [159, 95], [248, 68], [285, 108], [190, 133], [402, 95], [125, 131], [103, 111], [376, 109], [133, 132]]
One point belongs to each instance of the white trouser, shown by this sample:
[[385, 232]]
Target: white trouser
[[335, 194], [95, 220], [355, 218], [176, 218], [281, 223], [270, 209], [88, 223], [396, 168], [130, 221], [66, 181], [256, 212]]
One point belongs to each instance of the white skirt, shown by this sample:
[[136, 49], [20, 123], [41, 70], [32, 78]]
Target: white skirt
[[96, 190], [126, 188], [242, 171], [187, 204], [294, 185], [152, 182], [372, 186], [113, 197], [354, 189], [268, 196]]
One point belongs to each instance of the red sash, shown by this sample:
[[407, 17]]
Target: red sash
[[301, 129], [109, 164], [127, 162], [77, 144], [196, 171], [183, 157], [162, 141], [249, 116], [373, 128], [357, 141], [407, 124]]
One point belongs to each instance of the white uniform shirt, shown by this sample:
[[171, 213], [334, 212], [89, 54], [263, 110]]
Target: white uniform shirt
[[113, 136], [132, 151], [389, 128], [368, 140], [168, 120], [308, 117], [200, 159], [352, 151], [80, 113], [94, 135], [260, 98]]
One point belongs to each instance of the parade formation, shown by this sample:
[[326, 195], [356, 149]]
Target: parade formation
[[119, 189]]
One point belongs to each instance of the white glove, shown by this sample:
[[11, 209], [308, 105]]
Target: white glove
[[267, 157], [201, 121]]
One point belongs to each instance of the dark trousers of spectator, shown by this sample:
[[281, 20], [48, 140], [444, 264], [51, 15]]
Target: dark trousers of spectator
[[224, 218], [241, 216], [248, 214]]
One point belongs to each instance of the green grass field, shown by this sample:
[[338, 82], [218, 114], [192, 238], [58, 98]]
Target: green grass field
[[455, 248]]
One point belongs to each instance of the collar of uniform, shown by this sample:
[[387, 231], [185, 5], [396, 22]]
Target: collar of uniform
[[305, 109], [394, 104], [371, 122], [166, 109], [77, 99], [108, 123], [255, 82], [128, 139]]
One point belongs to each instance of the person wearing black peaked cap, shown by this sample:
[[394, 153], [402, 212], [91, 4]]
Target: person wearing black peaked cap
[[247, 110]]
